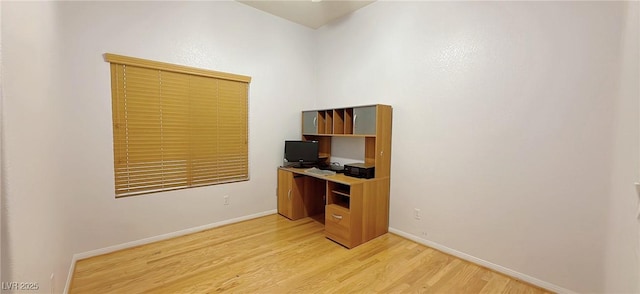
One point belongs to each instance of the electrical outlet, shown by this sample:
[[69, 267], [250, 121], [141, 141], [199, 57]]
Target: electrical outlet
[[424, 234], [416, 214], [226, 199]]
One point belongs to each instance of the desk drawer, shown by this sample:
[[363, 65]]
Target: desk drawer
[[337, 225]]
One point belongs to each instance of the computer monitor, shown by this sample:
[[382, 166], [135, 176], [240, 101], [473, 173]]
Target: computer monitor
[[300, 153]]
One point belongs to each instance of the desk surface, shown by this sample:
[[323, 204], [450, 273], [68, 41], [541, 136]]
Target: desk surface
[[338, 178]]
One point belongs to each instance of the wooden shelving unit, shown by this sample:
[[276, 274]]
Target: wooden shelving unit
[[356, 210]]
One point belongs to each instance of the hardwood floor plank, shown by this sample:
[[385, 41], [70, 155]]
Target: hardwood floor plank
[[476, 283], [272, 254], [496, 284], [425, 264], [462, 274], [393, 264]]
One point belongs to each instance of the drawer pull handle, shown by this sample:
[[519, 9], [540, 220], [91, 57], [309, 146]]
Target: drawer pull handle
[[289, 194], [336, 216]]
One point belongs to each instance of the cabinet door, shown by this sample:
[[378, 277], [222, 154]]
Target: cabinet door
[[364, 120], [290, 189], [284, 192], [309, 122]]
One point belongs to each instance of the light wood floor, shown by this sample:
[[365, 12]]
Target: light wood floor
[[274, 255]]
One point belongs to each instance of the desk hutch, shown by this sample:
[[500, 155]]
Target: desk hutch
[[355, 210]]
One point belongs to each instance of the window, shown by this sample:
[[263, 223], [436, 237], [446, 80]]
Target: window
[[176, 127]]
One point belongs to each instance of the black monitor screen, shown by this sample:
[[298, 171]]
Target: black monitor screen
[[300, 153]]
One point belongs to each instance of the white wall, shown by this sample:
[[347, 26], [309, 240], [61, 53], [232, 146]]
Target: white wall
[[511, 125], [1, 154], [504, 115], [622, 255], [58, 195]]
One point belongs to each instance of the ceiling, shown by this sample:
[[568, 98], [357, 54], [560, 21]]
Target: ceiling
[[313, 14]]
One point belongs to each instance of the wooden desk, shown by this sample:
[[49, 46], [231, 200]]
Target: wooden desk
[[338, 177], [355, 210]]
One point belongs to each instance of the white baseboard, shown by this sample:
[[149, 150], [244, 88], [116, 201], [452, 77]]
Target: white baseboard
[[144, 241], [484, 263]]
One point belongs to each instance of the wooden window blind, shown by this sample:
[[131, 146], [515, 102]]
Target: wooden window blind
[[176, 127]]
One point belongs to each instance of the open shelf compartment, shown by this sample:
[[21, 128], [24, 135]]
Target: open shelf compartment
[[339, 194]]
